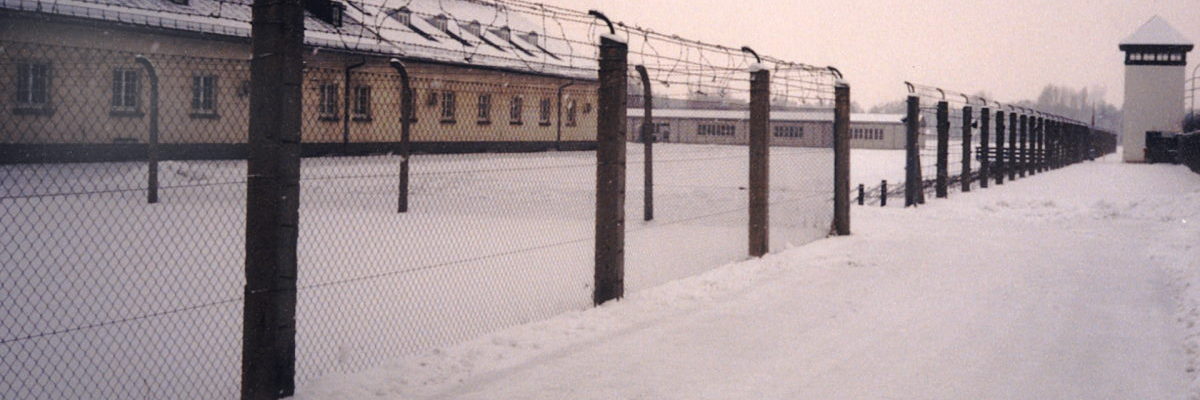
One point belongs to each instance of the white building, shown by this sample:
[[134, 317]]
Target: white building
[[1155, 64], [812, 128]]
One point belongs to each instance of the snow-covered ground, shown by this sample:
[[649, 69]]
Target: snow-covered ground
[[122, 299], [1079, 283]]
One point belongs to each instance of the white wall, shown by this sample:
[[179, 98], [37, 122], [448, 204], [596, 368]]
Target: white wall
[[1153, 102]]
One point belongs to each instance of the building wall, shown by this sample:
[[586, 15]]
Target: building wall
[[816, 133], [83, 56], [1153, 102], [892, 136]]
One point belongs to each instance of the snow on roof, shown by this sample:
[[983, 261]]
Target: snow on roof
[[365, 27], [808, 115], [1156, 31]]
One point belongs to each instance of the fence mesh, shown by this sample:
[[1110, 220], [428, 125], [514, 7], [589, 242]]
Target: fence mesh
[[109, 294], [700, 96], [489, 240]]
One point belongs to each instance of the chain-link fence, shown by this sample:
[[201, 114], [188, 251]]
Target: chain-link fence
[[470, 207], [121, 279], [488, 239]]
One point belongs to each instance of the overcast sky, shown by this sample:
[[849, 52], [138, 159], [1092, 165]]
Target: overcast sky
[[1010, 49]]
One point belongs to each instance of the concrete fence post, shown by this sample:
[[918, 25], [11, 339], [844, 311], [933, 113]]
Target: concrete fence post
[[1055, 140], [152, 140], [943, 149], [1033, 145], [760, 116], [999, 153], [406, 103], [985, 167], [966, 148], [1039, 149], [610, 171], [272, 199], [1013, 164], [1023, 152], [912, 160], [841, 159], [647, 136]]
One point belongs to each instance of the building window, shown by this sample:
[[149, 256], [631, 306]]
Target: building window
[[33, 86], [204, 95], [485, 109], [431, 99], [327, 107], [544, 112], [440, 22], [402, 15], [515, 109], [715, 130], [361, 109], [412, 99], [448, 107], [789, 131], [125, 91], [571, 114], [474, 27]]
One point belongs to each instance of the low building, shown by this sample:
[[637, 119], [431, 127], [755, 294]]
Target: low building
[[812, 128], [71, 89]]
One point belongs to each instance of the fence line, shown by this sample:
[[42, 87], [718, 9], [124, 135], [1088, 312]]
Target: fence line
[[977, 142], [427, 209]]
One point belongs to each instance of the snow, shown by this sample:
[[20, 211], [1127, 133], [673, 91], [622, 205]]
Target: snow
[[615, 38], [1052, 286], [755, 67], [1156, 31], [490, 241]]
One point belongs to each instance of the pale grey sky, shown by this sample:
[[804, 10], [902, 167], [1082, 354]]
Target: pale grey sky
[[1010, 48]]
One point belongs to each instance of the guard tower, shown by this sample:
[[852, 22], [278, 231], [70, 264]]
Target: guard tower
[[1155, 64]]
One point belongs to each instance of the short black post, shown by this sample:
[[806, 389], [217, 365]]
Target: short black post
[[610, 171], [862, 191], [760, 115], [985, 170], [943, 149], [272, 199], [152, 142], [406, 103], [965, 177], [841, 158], [999, 153], [883, 191], [912, 160], [647, 145]]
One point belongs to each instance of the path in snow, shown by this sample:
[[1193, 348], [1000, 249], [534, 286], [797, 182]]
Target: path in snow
[[1044, 288]]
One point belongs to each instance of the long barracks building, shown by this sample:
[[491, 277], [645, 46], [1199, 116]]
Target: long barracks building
[[71, 90]]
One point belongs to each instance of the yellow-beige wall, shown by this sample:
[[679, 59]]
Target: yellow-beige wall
[[83, 56]]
